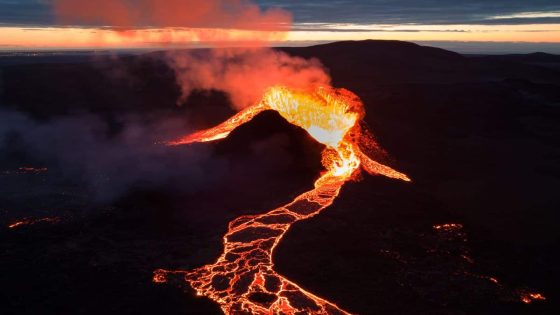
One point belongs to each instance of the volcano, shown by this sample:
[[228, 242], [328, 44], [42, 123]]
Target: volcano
[[473, 233], [243, 279]]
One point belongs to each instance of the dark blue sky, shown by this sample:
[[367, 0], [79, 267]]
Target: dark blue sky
[[37, 12]]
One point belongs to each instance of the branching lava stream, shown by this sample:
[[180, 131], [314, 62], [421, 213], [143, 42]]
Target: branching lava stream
[[243, 280]]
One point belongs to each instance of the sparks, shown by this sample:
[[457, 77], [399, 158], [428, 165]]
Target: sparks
[[243, 279]]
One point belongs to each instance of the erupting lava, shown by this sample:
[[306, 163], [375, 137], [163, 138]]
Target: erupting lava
[[243, 280]]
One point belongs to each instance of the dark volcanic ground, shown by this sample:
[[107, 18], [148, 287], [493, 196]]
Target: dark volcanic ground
[[479, 135]]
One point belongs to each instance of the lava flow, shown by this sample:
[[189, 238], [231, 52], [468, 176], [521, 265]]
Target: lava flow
[[30, 221], [243, 280]]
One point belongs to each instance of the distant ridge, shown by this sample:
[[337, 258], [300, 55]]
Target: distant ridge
[[533, 57], [392, 45], [387, 61]]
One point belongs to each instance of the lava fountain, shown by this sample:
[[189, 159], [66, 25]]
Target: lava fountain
[[243, 280]]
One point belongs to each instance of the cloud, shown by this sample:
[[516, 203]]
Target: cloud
[[25, 12], [352, 28], [225, 14], [245, 74], [526, 15], [411, 11], [84, 150], [39, 12]]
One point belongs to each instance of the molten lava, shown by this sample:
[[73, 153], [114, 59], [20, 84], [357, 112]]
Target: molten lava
[[529, 297], [31, 221], [243, 280]]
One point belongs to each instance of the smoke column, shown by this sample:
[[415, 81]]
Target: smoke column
[[242, 73]]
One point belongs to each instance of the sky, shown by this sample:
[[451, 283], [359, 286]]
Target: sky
[[33, 24]]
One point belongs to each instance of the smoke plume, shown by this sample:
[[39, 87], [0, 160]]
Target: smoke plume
[[242, 73], [211, 21], [245, 74], [224, 14], [82, 150]]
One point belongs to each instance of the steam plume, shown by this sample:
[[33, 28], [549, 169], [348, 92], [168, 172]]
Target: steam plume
[[80, 149], [243, 73], [214, 22]]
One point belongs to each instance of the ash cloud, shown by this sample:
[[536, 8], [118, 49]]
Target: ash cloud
[[207, 21], [83, 150], [242, 73], [245, 74], [237, 14]]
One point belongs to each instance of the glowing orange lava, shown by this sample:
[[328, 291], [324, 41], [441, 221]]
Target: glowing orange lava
[[524, 295], [448, 227], [243, 280], [31, 221], [529, 297]]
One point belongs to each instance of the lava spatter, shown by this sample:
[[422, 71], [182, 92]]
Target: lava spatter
[[243, 280]]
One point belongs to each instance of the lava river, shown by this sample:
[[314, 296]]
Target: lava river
[[243, 280]]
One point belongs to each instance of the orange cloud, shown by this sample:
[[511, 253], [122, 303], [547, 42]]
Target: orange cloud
[[245, 73], [207, 20]]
